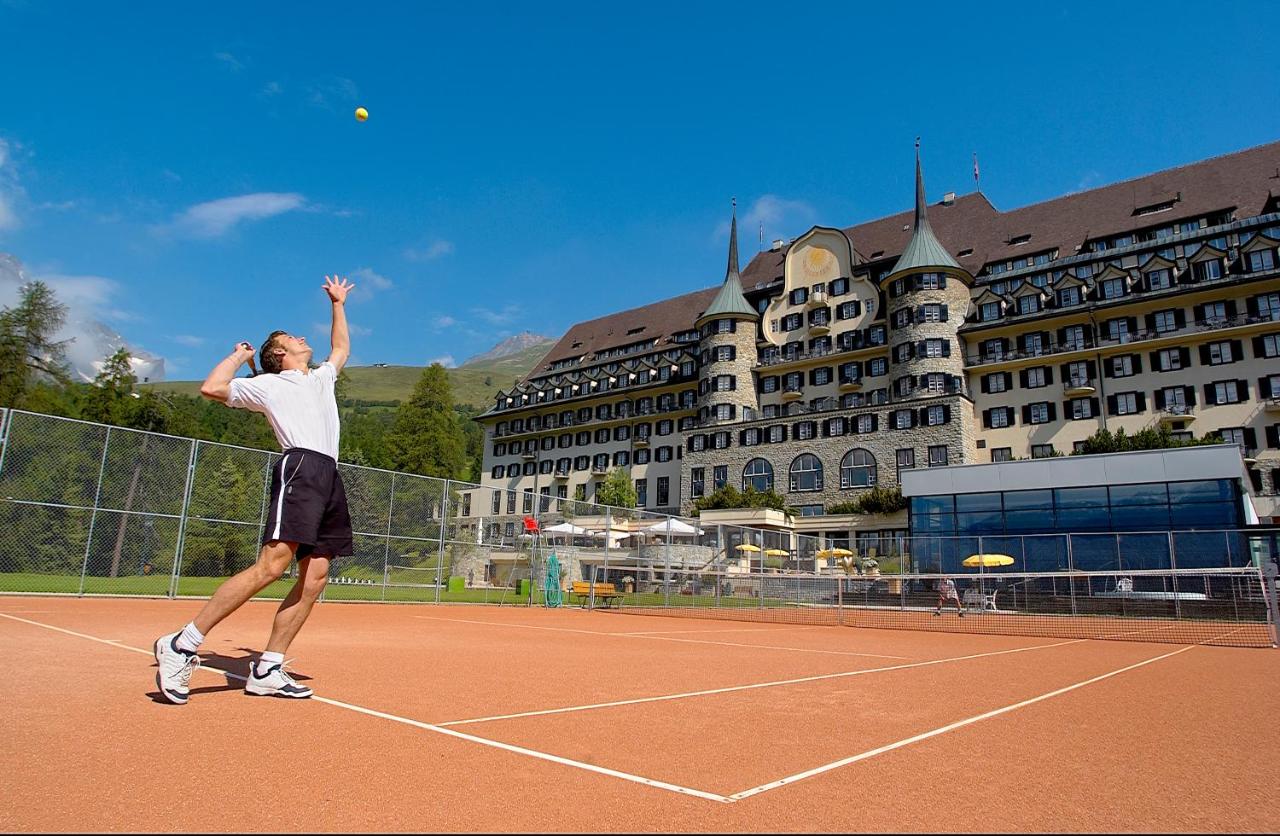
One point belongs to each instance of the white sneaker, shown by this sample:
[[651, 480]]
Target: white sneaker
[[174, 669], [275, 682]]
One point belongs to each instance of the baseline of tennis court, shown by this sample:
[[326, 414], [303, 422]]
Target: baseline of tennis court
[[515, 719]]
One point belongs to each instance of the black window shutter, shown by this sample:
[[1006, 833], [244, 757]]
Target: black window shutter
[[1185, 354], [1210, 394], [1180, 317], [1011, 414], [1095, 407], [1191, 395], [1159, 399], [986, 419], [1106, 367], [920, 417], [1230, 307], [1140, 400], [1264, 387], [946, 414], [1053, 411], [1242, 389], [1150, 320], [986, 388], [1258, 348], [733, 383], [1048, 375], [944, 313], [1065, 368], [1133, 324], [942, 281], [1111, 404], [1008, 380], [946, 348], [1204, 355], [1197, 312], [1273, 435], [1022, 378], [1066, 409], [875, 422], [1237, 350], [1250, 438], [1137, 363], [1252, 305], [1092, 366], [1026, 414]]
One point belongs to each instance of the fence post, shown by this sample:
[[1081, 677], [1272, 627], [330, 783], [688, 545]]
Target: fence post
[[444, 522], [6, 424], [93, 518], [1173, 577], [1071, 578], [666, 580], [386, 551], [1269, 572], [182, 519]]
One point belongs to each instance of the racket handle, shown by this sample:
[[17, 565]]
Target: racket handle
[[253, 367]]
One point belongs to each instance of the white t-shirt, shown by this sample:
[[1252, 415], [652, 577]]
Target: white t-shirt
[[301, 407]]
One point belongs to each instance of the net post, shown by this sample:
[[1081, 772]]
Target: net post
[[93, 518], [386, 550], [1269, 574], [1071, 579]]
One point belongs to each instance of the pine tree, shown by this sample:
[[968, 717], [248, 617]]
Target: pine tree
[[108, 402], [426, 437], [28, 350]]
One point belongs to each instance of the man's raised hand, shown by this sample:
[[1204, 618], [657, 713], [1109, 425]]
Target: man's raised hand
[[337, 288]]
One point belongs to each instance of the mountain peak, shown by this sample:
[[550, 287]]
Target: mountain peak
[[511, 345]]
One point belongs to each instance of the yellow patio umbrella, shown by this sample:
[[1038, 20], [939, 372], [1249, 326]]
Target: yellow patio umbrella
[[777, 552], [975, 560], [834, 553], [747, 547]]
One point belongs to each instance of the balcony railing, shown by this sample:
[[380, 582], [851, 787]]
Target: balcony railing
[[1080, 385], [1200, 325]]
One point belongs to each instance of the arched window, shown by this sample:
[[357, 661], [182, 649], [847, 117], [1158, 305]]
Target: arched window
[[806, 473], [758, 474], [858, 469]]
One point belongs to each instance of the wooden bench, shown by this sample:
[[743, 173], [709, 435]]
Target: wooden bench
[[605, 592]]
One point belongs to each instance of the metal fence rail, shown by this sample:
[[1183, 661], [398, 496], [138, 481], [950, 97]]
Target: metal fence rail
[[90, 509]]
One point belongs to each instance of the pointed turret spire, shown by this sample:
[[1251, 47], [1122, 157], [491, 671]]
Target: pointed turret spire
[[923, 252], [730, 300]]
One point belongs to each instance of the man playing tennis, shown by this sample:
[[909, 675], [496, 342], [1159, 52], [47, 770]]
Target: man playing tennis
[[947, 592], [307, 517]]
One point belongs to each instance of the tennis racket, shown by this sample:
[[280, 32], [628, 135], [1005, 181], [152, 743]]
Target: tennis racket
[[253, 367]]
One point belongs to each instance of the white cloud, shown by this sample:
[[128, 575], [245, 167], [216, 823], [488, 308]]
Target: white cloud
[[217, 217], [445, 360], [323, 329], [8, 217], [444, 321], [63, 206], [171, 175], [782, 218], [188, 339], [230, 61], [436, 249], [10, 190], [335, 87], [371, 279], [272, 88]]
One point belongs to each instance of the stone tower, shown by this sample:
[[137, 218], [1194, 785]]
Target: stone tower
[[727, 347], [927, 297]]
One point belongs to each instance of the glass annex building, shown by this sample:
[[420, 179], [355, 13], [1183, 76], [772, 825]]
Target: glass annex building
[[1161, 509]]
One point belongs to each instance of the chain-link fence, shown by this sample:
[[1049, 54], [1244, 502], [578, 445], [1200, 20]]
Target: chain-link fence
[[88, 509]]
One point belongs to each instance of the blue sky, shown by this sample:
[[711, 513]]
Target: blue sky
[[190, 172]]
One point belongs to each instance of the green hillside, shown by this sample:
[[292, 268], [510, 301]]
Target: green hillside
[[474, 384]]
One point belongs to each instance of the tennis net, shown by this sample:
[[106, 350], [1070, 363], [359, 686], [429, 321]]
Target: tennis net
[[1221, 606]]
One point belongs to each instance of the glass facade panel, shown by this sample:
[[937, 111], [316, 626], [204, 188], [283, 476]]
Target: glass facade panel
[[932, 504], [1211, 491], [1029, 500], [1155, 494], [1091, 497], [980, 522], [978, 501], [1095, 518]]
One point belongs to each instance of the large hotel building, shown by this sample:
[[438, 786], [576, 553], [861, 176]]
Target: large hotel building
[[955, 333]]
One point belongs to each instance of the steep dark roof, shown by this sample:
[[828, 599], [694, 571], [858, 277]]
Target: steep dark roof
[[730, 301], [660, 319], [1244, 180], [923, 250]]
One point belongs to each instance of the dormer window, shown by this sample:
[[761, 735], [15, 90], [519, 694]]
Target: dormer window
[[1019, 239], [1262, 260], [1028, 304], [1113, 288], [989, 312], [1159, 279], [1208, 270], [1068, 296]]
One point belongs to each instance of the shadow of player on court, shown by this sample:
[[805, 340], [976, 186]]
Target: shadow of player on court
[[235, 670]]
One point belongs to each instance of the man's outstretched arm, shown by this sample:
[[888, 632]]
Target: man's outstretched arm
[[217, 386], [339, 339]]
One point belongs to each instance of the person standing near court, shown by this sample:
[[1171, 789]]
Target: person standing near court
[[947, 592], [307, 517]]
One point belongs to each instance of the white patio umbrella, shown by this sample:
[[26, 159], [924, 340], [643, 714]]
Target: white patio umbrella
[[674, 527], [564, 528]]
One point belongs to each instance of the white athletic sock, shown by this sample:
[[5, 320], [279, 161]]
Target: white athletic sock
[[190, 638], [267, 660]]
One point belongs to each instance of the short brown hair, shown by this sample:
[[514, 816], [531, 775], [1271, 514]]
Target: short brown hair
[[268, 359]]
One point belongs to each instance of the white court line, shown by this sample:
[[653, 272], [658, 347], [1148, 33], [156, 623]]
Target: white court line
[[756, 685], [729, 630], [520, 750], [662, 638], [800, 776]]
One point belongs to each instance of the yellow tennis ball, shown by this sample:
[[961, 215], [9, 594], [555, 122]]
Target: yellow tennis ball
[[361, 114]]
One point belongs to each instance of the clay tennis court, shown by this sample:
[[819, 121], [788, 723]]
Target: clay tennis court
[[474, 718]]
